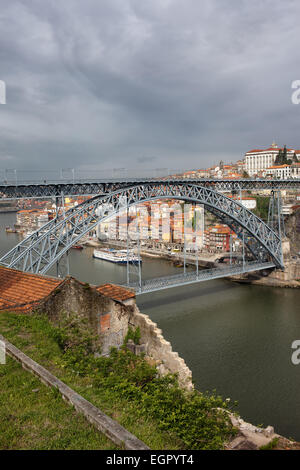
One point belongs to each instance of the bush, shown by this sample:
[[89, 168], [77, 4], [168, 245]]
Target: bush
[[135, 335]]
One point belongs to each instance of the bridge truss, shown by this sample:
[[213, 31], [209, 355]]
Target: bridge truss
[[103, 186], [40, 251], [177, 280]]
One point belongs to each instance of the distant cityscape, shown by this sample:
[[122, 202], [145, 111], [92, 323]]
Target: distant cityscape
[[167, 226], [272, 162]]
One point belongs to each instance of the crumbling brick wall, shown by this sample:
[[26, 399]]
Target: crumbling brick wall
[[110, 320]]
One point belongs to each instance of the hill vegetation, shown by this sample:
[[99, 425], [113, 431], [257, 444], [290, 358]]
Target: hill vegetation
[[124, 386]]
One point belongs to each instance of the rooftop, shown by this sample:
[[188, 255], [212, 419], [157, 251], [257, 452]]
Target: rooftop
[[271, 149], [21, 291], [115, 292]]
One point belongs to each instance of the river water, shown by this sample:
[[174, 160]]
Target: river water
[[235, 338]]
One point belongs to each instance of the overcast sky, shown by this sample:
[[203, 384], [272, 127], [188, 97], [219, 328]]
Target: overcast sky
[[96, 84]]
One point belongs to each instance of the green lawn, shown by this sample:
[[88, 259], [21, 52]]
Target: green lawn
[[33, 416], [123, 386]]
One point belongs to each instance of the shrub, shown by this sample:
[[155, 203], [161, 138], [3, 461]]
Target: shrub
[[135, 335]]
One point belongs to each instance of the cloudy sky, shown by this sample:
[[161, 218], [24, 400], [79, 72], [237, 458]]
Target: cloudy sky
[[97, 84]]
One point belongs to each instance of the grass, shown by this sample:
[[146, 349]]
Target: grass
[[124, 386], [271, 445], [33, 416]]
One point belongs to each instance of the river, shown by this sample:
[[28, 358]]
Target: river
[[235, 338]]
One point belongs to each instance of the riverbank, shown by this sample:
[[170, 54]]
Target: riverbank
[[204, 261], [25, 394], [277, 278], [123, 385], [289, 278]]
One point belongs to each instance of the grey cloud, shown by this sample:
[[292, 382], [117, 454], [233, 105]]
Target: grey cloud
[[124, 83]]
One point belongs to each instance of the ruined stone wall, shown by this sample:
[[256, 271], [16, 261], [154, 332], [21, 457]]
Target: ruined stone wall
[[72, 297], [110, 320], [114, 327], [160, 349]]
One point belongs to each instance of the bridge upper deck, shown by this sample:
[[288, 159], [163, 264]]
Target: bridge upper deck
[[90, 187]]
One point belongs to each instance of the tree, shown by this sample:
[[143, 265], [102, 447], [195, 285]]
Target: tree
[[278, 158], [284, 157], [281, 158]]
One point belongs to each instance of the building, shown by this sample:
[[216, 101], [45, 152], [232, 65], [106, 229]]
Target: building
[[217, 238], [246, 201], [279, 171], [295, 170], [257, 161]]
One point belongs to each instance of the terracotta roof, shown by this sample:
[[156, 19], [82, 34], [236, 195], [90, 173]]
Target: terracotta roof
[[115, 292], [21, 291], [278, 166], [270, 149]]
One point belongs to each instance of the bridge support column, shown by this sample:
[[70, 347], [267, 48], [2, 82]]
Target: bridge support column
[[63, 266], [275, 217], [134, 269]]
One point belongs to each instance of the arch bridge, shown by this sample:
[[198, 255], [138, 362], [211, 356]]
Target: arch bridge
[[88, 187], [46, 247]]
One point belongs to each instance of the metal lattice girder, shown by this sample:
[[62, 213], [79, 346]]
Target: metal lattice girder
[[38, 252], [254, 246], [177, 280], [103, 186]]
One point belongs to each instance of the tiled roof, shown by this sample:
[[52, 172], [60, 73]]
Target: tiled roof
[[270, 149], [115, 292], [21, 291], [278, 166]]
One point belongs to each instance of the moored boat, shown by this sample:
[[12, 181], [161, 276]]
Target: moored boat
[[10, 230], [116, 256]]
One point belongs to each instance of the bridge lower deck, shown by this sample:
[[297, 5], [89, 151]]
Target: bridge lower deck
[[177, 280]]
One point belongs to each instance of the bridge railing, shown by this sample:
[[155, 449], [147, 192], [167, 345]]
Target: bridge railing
[[159, 283], [69, 175]]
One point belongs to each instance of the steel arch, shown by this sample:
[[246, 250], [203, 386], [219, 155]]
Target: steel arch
[[41, 250]]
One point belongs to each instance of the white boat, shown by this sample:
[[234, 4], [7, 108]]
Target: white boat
[[116, 256]]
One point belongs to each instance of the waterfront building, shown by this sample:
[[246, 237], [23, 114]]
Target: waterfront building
[[217, 238]]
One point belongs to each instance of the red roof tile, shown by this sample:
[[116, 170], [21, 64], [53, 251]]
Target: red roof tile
[[115, 292], [21, 291]]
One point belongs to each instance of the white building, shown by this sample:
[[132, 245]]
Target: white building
[[283, 172], [295, 170], [256, 161], [248, 202]]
